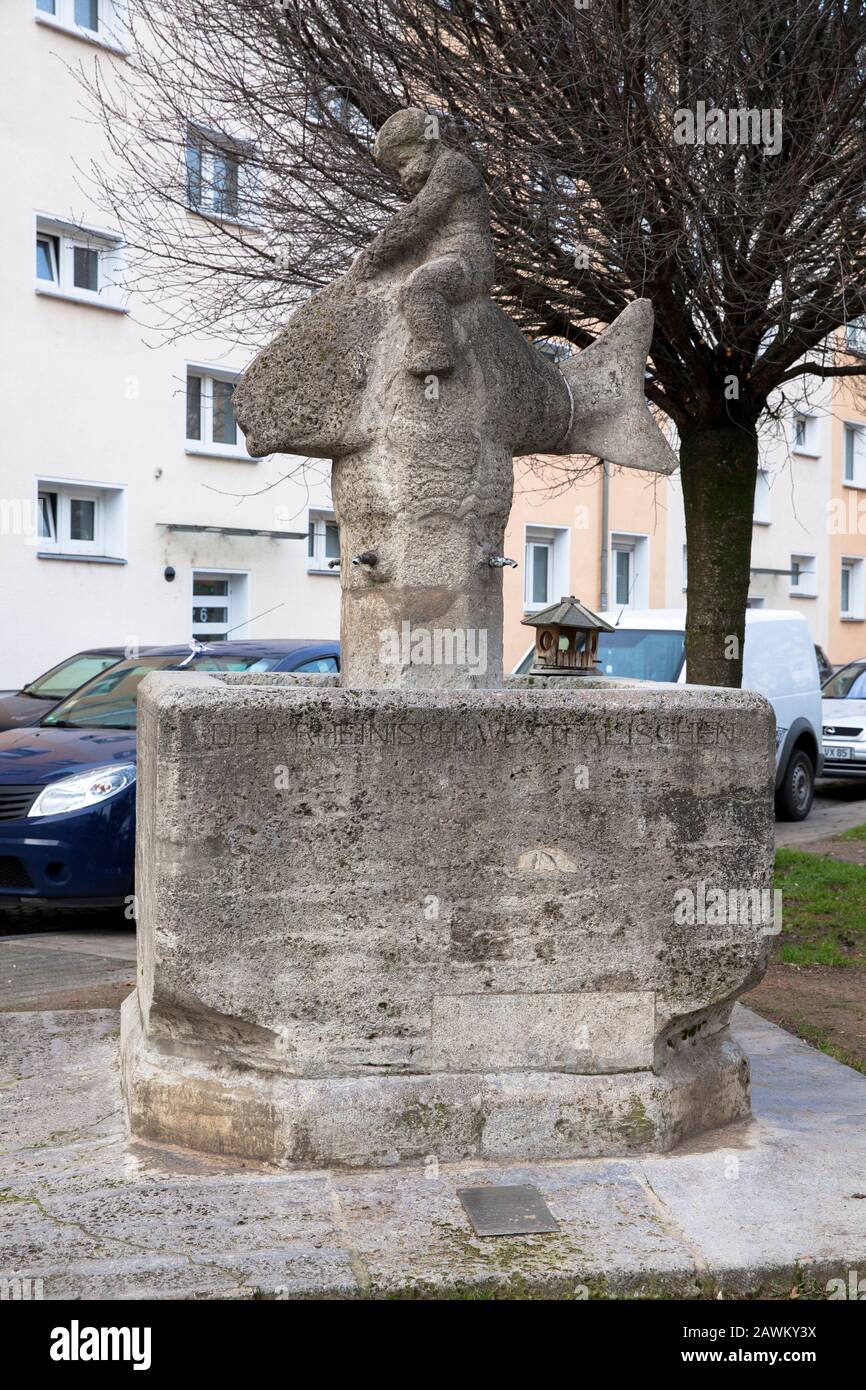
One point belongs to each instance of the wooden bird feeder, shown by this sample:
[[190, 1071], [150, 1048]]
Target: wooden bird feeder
[[566, 639]]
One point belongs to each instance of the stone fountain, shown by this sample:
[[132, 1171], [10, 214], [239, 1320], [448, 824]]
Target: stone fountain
[[423, 908]]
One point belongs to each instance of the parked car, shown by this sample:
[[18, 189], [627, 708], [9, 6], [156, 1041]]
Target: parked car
[[825, 665], [778, 661], [67, 785], [32, 702], [843, 704]]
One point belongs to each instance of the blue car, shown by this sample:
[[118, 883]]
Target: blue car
[[67, 785]]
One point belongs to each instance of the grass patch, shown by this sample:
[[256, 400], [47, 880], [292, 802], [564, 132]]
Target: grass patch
[[857, 832], [823, 910]]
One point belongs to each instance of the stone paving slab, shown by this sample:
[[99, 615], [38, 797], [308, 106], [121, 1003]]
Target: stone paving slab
[[39, 974], [739, 1210]]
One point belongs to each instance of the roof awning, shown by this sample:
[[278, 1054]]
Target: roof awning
[[235, 531]]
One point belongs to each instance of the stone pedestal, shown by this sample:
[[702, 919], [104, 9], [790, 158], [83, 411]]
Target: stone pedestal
[[377, 925]]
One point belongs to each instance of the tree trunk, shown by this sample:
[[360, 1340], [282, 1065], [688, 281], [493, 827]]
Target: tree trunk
[[718, 468]]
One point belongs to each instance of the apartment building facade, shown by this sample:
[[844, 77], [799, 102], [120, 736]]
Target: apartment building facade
[[130, 512], [617, 538]]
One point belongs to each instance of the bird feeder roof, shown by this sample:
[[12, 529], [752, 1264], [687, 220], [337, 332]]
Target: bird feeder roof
[[569, 612]]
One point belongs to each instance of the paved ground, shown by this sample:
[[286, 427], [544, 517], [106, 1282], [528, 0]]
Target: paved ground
[[763, 1206], [748, 1208], [79, 967], [838, 805]]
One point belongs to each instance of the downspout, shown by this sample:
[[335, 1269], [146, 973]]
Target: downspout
[[605, 526]]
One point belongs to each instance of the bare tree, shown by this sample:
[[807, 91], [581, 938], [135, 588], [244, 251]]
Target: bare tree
[[711, 157]]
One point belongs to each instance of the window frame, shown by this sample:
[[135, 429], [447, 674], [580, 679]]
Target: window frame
[[806, 448], [854, 336], [111, 31], [206, 445], [318, 521], [49, 497], [762, 516], [60, 543], [637, 544], [533, 546], [556, 540], [809, 572], [617, 549], [202, 202], [855, 430], [67, 237], [53, 243], [854, 566]]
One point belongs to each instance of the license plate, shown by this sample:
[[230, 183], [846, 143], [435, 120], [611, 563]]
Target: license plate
[[838, 754]]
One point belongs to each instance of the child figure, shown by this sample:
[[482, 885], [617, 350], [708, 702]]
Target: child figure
[[445, 231]]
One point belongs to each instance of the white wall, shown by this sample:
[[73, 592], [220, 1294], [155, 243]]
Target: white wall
[[86, 399]]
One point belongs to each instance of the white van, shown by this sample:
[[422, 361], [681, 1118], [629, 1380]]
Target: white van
[[778, 661]]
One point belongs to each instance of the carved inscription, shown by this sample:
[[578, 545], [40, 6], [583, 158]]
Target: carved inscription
[[312, 731]]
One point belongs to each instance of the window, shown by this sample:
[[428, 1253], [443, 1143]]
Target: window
[[545, 566], [47, 516], [85, 268], [855, 336], [220, 176], [851, 588], [87, 14], [219, 604], [629, 563], [320, 664], [623, 569], [78, 263], [323, 543], [61, 680], [803, 576], [211, 427], [805, 435], [540, 570], [80, 520], [854, 455], [48, 259], [847, 684], [761, 514], [101, 21]]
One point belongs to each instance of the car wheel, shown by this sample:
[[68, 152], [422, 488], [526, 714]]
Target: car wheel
[[797, 790]]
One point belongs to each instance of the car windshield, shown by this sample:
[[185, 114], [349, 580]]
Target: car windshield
[[636, 653], [640, 655], [61, 680], [847, 684], [109, 701]]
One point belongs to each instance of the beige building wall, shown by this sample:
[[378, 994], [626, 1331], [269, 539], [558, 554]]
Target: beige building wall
[[845, 518], [810, 523], [555, 535]]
